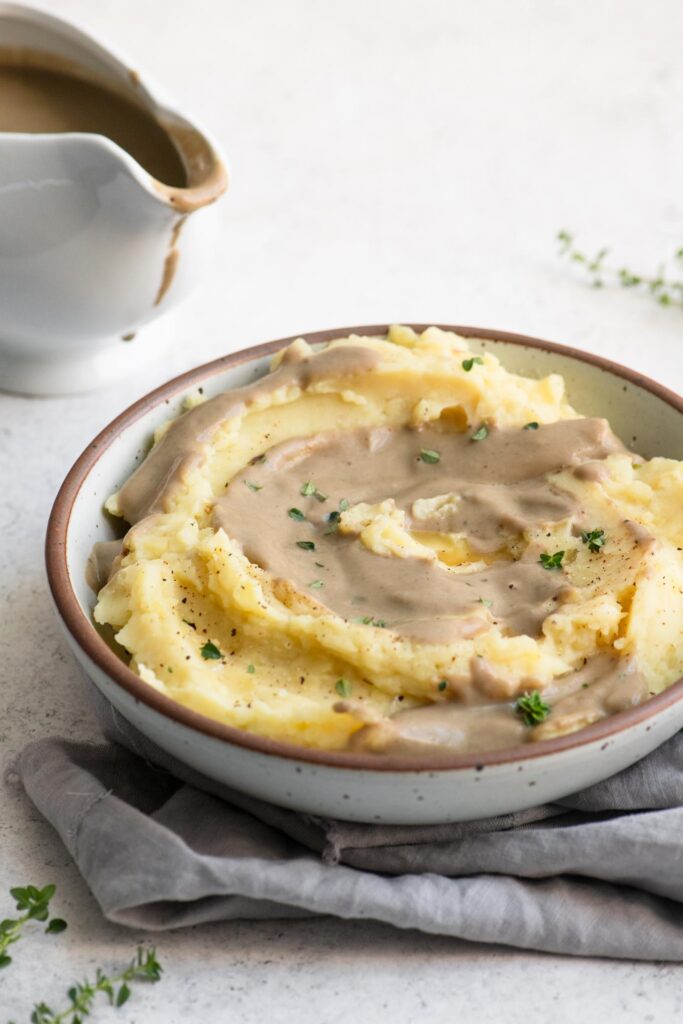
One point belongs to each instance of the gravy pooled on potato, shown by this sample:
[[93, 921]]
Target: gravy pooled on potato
[[394, 545]]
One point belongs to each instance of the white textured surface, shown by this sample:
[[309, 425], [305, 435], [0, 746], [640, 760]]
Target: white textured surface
[[391, 161]]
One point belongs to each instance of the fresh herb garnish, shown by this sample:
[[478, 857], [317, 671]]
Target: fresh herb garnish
[[442, 685], [343, 688], [666, 290], [333, 520], [306, 545], [210, 652], [429, 456], [297, 514], [551, 561], [467, 364], [192, 625], [486, 601], [252, 486], [595, 539], [310, 490], [368, 620], [334, 517], [532, 708], [251, 669], [481, 433], [145, 967], [530, 426], [36, 904], [316, 584]]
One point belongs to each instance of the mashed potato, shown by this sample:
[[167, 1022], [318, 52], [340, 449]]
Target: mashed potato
[[392, 544]]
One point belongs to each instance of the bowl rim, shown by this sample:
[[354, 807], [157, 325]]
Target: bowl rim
[[86, 637]]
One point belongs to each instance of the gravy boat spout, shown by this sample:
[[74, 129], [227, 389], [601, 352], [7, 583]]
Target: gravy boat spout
[[106, 223]]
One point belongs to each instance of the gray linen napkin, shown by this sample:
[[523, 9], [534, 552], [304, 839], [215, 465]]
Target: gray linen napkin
[[160, 846]]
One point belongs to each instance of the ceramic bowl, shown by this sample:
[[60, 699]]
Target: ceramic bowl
[[357, 787]]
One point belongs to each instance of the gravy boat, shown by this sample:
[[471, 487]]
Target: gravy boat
[[92, 246]]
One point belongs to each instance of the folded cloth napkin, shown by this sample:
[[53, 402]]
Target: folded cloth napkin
[[161, 846]]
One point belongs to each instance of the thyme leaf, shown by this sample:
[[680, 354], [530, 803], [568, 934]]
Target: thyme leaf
[[551, 561], [35, 903], [595, 539], [210, 652], [532, 708]]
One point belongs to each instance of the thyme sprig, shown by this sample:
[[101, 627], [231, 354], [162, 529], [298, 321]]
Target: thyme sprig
[[143, 967], [36, 904], [665, 288]]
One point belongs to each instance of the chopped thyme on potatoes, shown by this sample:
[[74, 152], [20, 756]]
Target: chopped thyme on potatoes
[[532, 708], [368, 620], [210, 652], [333, 520], [595, 539], [309, 490], [343, 688], [551, 561]]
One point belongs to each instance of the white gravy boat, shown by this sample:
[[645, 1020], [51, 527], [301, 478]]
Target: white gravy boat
[[91, 245]]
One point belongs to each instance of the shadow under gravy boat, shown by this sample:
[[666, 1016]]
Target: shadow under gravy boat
[[93, 245]]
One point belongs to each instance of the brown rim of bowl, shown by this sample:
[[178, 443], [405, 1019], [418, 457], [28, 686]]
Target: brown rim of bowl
[[89, 640]]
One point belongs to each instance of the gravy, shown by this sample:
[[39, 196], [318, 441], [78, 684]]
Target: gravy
[[502, 489], [603, 686], [37, 100]]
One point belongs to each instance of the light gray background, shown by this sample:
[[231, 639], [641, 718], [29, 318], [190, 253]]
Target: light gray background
[[391, 161]]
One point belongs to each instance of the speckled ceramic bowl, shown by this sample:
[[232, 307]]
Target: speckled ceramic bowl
[[358, 787]]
